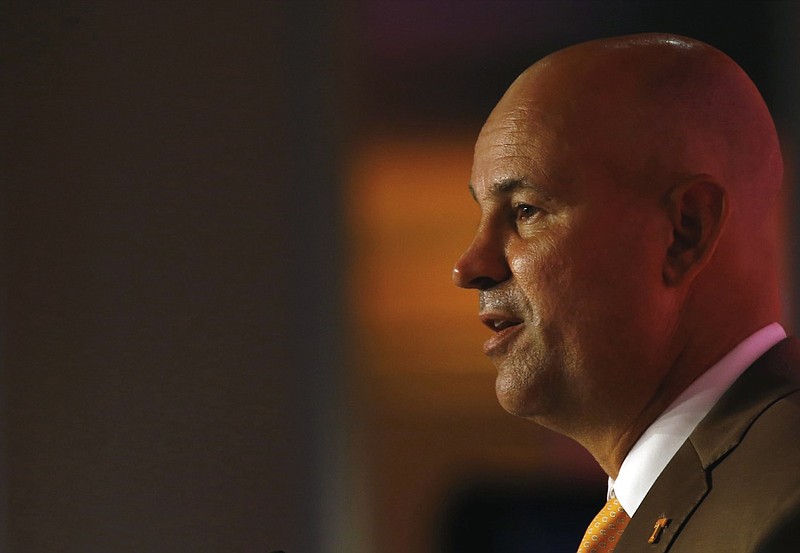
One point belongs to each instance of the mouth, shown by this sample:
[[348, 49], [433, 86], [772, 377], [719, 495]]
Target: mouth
[[498, 324], [505, 328]]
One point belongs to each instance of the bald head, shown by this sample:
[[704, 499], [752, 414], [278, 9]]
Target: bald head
[[624, 186], [652, 114], [660, 105]]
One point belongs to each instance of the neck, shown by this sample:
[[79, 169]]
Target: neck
[[610, 443]]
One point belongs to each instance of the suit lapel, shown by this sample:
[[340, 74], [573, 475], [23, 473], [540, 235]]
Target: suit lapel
[[679, 489], [684, 482], [773, 376]]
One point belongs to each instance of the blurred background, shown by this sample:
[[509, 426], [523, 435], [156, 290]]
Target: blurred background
[[227, 235]]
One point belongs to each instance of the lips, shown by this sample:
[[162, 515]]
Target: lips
[[505, 328]]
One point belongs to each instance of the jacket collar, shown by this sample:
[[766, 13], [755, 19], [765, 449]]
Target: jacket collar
[[684, 482]]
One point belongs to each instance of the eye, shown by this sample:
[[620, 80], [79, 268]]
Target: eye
[[524, 211]]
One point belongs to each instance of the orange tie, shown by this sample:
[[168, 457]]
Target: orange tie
[[605, 530]]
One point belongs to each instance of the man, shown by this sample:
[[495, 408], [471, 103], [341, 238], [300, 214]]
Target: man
[[624, 261]]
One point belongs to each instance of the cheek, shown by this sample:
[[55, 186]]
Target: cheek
[[543, 274], [575, 288], [617, 284]]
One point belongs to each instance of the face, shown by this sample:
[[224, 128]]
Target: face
[[567, 263]]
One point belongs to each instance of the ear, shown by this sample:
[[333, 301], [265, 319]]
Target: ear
[[697, 210]]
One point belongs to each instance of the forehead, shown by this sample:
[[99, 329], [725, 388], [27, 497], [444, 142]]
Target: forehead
[[522, 143]]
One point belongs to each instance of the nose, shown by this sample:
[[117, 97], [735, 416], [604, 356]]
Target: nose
[[483, 265]]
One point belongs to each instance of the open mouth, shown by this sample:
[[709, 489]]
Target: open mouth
[[505, 327], [498, 324]]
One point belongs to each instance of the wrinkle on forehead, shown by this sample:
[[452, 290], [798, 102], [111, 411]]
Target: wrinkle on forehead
[[520, 124], [520, 142]]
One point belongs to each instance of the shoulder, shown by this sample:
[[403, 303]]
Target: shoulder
[[767, 455], [759, 482], [735, 484], [763, 405], [753, 495]]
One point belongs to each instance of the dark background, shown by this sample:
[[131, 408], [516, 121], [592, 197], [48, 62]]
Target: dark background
[[174, 338]]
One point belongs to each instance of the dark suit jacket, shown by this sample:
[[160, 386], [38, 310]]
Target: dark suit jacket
[[734, 486]]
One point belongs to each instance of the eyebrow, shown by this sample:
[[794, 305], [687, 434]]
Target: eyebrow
[[507, 186]]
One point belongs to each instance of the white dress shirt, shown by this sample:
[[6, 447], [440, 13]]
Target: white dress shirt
[[659, 443]]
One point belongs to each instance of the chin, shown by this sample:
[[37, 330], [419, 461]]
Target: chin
[[516, 399]]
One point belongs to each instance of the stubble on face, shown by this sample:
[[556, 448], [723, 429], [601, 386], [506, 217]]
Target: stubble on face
[[577, 267], [535, 368]]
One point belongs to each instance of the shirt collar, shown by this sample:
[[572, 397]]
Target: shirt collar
[[657, 445]]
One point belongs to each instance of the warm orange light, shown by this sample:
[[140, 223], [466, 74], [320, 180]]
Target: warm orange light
[[411, 217]]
